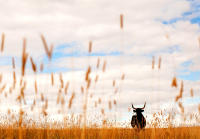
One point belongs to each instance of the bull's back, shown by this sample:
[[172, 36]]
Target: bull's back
[[140, 123]]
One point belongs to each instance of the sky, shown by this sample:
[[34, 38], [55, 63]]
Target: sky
[[169, 29]]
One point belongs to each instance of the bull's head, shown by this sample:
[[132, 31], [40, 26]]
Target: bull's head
[[138, 110]]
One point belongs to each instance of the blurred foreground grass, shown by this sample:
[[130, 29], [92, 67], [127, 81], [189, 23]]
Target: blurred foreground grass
[[109, 133]]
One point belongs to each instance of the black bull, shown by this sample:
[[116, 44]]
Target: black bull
[[138, 119]]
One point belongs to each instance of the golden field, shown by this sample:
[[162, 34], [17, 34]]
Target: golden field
[[91, 133]]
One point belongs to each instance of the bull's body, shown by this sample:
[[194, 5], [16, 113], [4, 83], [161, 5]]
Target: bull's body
[[140, 122], [138, 119]]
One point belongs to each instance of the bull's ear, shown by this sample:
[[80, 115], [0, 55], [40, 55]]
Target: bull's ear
[[142, 110], [134, 110]]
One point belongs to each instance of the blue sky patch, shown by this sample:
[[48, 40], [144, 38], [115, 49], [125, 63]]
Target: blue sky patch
[[189, 75], [193, 15]]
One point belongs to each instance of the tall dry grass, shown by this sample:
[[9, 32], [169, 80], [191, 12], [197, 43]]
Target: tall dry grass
[[22, 126]]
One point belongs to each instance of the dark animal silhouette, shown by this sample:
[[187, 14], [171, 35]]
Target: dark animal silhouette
[[138, 119]]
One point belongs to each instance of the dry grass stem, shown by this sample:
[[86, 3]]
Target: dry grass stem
[[13, 62], [181, 107], [82, 89], [87, 73], [116, 90], [123, 76], [42, 97], [66, 87], [121, 21], [98, 63], [52, 79], [95, 104], [174, 82], [113, 83], [41, 67], [48, 52], [36, 89], [88, 83], [34, 68], [191, 92], [199, 108], [24, 58], [46, 104], [2, 41], [61, 81], [2, 88], [114, 102], [104, 66], [109, 105], [71, 100], [14, 79], [153, 62], [21, 81], [99, 101], [62, 101], [102, 112], [159, 63], [1, 78], [180, 92], [96, 79], [181, 89], [90, 47], [167, 36]]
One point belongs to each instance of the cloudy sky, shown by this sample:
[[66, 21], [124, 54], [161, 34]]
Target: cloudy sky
[[166, 29]]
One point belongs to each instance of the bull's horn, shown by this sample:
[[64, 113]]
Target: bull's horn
[[144, 105], [133, 107]]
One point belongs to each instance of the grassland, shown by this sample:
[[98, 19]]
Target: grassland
[[119, 133]]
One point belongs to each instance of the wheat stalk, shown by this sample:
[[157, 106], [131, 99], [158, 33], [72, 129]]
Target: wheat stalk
[[159, 63], [2, 41], [34, 68], [191, 92], [90, 47], [123, 76], [71, 100], [66, 87], [104, 66], [109, 105], [96, 78], [113, 84], [36, 89], [174, 82], [41, 67], [14, 79], [114, 102], [82, 89], [24, 57], [153, 62], [121, 21], [181, 107], [87, 73], [48, 52], [52, 79], [1, 77], [98, 62], [42, 97], [13, 62], [61, 81]]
